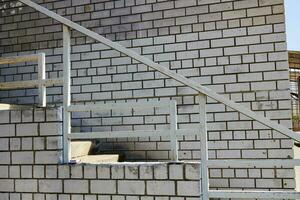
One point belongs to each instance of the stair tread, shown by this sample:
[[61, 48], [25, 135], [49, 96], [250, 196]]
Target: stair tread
[[96, 159]]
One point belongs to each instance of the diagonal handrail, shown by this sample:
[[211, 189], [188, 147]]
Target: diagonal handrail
[[182, 79]]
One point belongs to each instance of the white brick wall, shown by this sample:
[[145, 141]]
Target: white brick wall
[[235, 47]]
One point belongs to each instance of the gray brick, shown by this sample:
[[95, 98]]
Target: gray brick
[[24, 185], [103, 186], [7, 130], [76, 186], [131, 187], [160, 187], [7, 185], [50, 186], [25, 157]]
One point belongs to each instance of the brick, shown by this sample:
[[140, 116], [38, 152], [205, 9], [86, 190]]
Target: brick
[[160, 187], [120, 11], [4, 117], [76, 186], [268, 183], [164, 39], [259, 11], [210, 35], [7, 185], [24, 185], [245, 4], [131, 172], [234, 32], [117, 172], [221, 7], [152, 15], [254, 154], [25, 157], [130, 19], [4, 144], [160, 172], [211, 52], [50, 129], [7, 130], [209, 17], [242, 183], [27, 129], [174, 13], [253, 30], [261, 48], [179, 4], [131, 187], [146, 172], [164, 57], [248, 40], [188, 188], [186, 20], [222, 42], [196, 45], [235, 50], [163, 6], [103, 187], [278, 37], [187, 55], [4, 171], [89, 172], [50, 186], [192, 172], [141, 9], [47, 157], [236, 14], [176, 171]]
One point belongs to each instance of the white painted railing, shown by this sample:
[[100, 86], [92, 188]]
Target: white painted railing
[[202, 132], [41, 82], [172, 132]]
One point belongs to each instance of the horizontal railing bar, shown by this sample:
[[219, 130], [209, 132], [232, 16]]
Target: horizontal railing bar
[[182, 79], [19, 59], [118, 134], [246, 163], [29, 84], [253, 194], [118, 106]]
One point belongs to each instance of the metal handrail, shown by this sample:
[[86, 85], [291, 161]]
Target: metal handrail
[[41, 82], [182, 79]]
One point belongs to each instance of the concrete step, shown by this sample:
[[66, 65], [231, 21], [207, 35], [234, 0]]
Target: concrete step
[[5, 106], [80, 154], [80, 148], [96, 159]]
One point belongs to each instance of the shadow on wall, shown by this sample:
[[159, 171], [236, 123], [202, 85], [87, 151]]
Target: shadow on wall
[[124, 150]]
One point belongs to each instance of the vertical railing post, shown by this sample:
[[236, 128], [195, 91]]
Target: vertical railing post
[[173, 128], [41, 78], [204, 147], [66, 92]]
